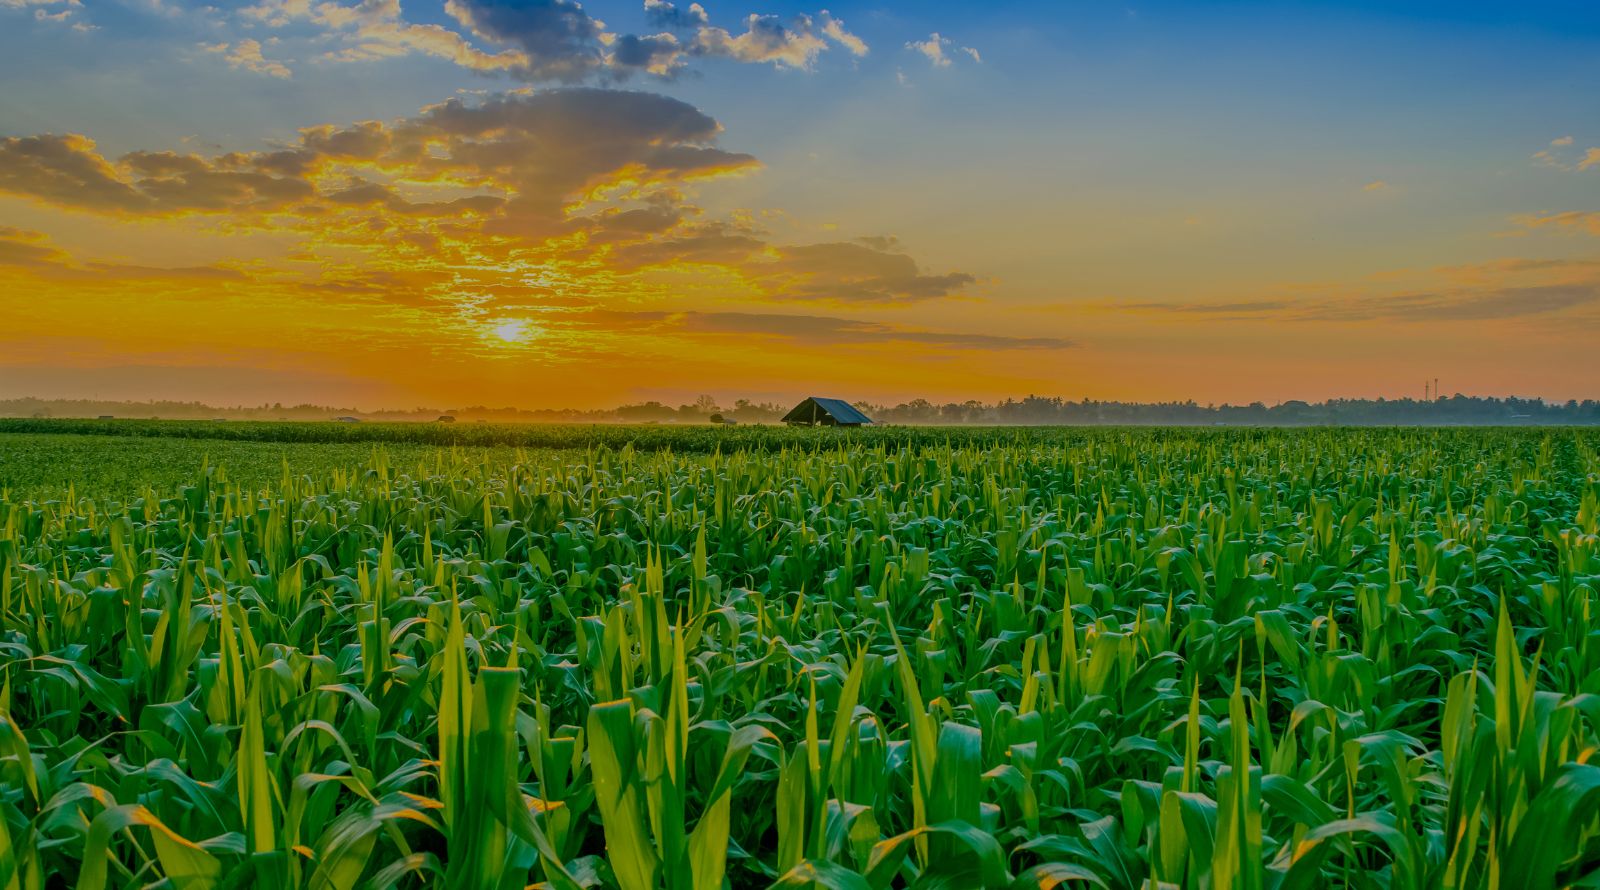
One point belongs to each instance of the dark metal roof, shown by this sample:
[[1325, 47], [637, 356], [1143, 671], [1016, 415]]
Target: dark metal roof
[[841, 411]]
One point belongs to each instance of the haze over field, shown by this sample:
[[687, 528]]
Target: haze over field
[[539, 205]]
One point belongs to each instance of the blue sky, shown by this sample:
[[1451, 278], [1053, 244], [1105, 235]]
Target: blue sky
[[1141, 185]]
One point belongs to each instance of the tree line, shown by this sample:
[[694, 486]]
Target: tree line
[[1031, 410]]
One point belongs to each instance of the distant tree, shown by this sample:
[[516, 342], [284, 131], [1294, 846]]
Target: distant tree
[[645, 412], [1033, 409]]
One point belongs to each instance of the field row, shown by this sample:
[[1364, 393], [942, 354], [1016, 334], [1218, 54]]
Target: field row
[[1123, 659]]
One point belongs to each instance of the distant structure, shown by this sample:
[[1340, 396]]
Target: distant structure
[[108, 417], [825, 412], [347, 419], [446, 418]]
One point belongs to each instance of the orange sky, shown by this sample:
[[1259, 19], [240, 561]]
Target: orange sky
[[915, 227]]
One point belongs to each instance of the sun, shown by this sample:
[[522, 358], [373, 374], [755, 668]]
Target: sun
[[510, 331]]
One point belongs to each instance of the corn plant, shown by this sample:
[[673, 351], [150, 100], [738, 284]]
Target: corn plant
[[662, 660]]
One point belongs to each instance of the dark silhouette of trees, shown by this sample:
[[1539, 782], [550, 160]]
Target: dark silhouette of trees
[[1457, 410], [1032, 410]]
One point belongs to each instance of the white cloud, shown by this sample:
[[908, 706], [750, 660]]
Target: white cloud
[[60, 11], [1561, 155], [277, 13], [936, 47], [557, 40], [246, 55]]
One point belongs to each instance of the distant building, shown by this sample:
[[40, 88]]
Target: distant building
[[347, 419], [108, 417], [446, 418], [816, 411]]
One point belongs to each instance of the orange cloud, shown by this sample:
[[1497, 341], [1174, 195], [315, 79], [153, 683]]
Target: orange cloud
[[569, 213], [1493, 291], [1580, 220]]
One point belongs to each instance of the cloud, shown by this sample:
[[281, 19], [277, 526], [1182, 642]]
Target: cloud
[[767, 38], [54, 11], [22, 247], [1472, 304], [714, 243], [246, 54], [558, 41], [33, 253], [663, 14], [857, 271], [1581, 220], [1377, 185], [657, 54], [1242, 309], [811, 330], [548, 194], [936, 47], [376, 29], [1475, 305], [278, 13], [872, 270], [835, 30], [830, 330], [524, 157], [66, 171], [1561, 156]]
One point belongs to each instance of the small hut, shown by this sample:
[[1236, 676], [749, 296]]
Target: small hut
[[816, 411], [347, 419]]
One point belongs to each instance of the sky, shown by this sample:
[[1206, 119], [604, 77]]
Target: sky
[[536, 203]]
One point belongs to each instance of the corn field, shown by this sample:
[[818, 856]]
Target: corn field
[[1116, 659]]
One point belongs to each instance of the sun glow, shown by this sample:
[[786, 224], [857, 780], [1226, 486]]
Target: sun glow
[[510, 331]]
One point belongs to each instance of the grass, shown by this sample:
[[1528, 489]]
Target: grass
[[1109, 658]]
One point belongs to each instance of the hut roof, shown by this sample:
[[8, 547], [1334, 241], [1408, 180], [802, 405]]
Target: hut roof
[[841, 411]]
